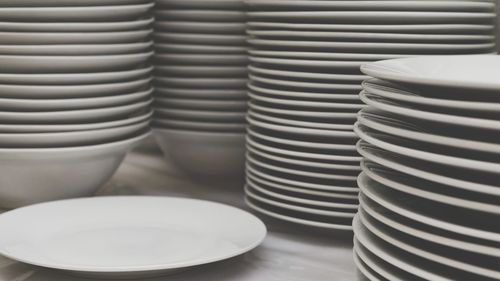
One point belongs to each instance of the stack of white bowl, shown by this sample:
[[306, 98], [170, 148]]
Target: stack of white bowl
[[74, 94], [200, 86], [304, 86], [430, 187]]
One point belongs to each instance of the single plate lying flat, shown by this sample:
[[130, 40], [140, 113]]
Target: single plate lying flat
[[119, 236]]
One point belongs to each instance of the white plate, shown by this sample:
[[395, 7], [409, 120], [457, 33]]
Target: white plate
[[198, 125], [201, 59], [66, 64], [201, 93], [201, 15], [322, 115], [340, 65], [411, 149], [167, 48], [300, 184], [75, 50], [75, 138], [334, 87], [409, 207], [307, 193], [297, 172], [188, 233], [402, 28], [202, 115], [72, 103], [75, 26], [75, 78], [307, 75], [73, 116], [441, 117], [410, 266], [400, 48], [47, 174], [207, 4], [377, 120], [203, 104], [72, 91], [283, 120], [405, 165], [51, 128], [201, 71], [322, 55], [201, 38], [464, 72], [202, 83], [66, 3], [41, 38], [366, 36], [72, 14], [197, 27], [433, 98], [423, 232], [367, 273], [376, 17], [301, 94], [376, 5], [305, 104], [194, 151], [250, 192], [303, 142]]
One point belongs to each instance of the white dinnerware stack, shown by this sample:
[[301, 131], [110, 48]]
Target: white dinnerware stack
[[429, 187], [200, 86], [74, 94], [304, 85]]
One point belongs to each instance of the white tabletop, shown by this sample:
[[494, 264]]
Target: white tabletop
[[289, 253]]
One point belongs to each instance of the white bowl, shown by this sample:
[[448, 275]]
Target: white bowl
[[30, 176], [204, 155]]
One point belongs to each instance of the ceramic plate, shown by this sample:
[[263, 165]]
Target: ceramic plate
[[188, 233], [75, 26], [307, 75], [167, 48], [442, 71], [432, 98], [322, 55], [65, 64], [201, 15], [365, 273], [204, 27], [422, 114], [201, 93], [201, 115], [201, 38], [75, 78], [334, 87], [301, 94], [65, 3], [203, 126], [366, 36], [201, 59], [345, 107], [376, 17], [75, 50], [310, 113], [207, 4], [72, 91], [377, 5], [202, 83], [75, 14], [203, 104], [342, 65], [41, 38], [400, 48], [201, 71], [401, 28]]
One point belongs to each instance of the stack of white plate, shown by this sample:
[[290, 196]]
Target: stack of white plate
[[74, 94], [430, 192], [200, 86], [305, 80]]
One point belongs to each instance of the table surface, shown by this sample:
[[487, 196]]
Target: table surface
[[289, 253]]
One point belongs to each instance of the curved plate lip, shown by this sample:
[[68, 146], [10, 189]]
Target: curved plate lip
[[396, 5], [197, 4], [64, 3], [376, 87], [296, 112], [296, 94], [373, 27], [258, 226], [306, 210], [299, 74], [200, 93], [316, 85], [355, 107], [296, 220], [422, 218], [475, 122], [450, 242], [428, 255], [337, 64], [448, 160], [304, 55], [294, 199], [77, 8], [365, 119], [363, 267], [391, 71], [276, 185], [191, 133]]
